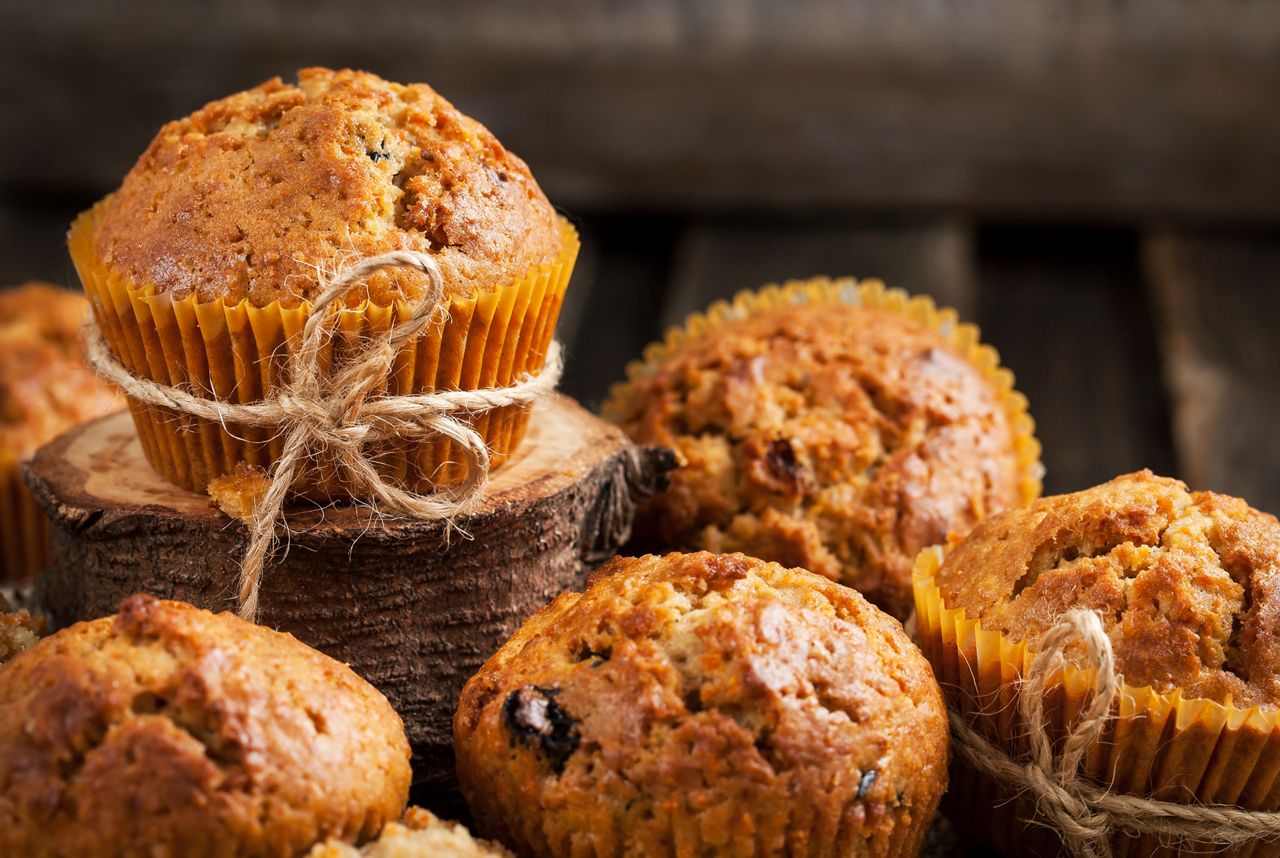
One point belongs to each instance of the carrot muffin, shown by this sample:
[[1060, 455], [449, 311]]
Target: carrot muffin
[[835, 435], [252, 202], [419, 835], [167, 730], [45, 389], [1187, 588], [704, 704]]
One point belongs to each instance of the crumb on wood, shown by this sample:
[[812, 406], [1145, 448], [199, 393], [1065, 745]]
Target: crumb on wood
[[237, 494]]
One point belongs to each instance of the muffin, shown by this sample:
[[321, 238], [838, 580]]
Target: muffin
[[704, 704], [1185, 586], [45, 389], [831, 426], [419, 835], [19, 630], [168, 730], [204, 263]]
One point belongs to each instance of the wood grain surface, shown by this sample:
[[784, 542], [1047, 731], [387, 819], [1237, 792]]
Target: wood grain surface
[[1084, 108]]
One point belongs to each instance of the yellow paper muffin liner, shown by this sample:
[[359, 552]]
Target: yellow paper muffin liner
[[233, 352], [24, 530], [1157, 745]]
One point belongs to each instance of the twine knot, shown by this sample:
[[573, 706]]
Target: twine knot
[[1084, 814], [327, 418]]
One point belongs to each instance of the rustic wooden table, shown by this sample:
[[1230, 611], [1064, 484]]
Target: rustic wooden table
[[1096, 185]]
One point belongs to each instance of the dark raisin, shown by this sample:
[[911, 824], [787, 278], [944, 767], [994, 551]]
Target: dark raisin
[[379, 154], [783, 468], [864, 785], [596, 658], [533, 716]]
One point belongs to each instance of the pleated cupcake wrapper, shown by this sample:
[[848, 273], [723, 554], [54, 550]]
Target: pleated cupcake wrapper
[[965, 337], [1160, 746], [236, 353], [24, 530]]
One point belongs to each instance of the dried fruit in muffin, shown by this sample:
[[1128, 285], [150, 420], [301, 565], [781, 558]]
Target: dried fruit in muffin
[[704, 704], [1187, 584], [169, 730], [419, 835], [841, 439], [257, 194]]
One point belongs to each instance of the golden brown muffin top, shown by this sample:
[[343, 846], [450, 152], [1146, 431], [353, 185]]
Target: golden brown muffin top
[[835, 438], [420, 834], [45, 386], [754, 693], [1186, 583], [170, 730], [254, 193]]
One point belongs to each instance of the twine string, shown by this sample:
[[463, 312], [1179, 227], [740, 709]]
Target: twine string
[[328, 418], [1084, 814]]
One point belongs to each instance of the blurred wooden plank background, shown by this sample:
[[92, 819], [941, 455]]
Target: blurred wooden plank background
[[1096, 183]]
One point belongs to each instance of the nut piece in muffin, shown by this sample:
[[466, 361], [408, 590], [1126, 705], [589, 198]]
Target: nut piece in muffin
[[419, 835], [168, 730], [45, 385], [704, 704], [257, 194], [840, 439], [19, 630], [1187, 584]]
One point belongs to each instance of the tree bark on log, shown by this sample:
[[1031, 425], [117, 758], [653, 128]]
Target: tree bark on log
[[410, 605]]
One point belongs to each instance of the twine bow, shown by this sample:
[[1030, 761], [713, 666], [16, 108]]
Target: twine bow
[[330, 417], [1084, 814]]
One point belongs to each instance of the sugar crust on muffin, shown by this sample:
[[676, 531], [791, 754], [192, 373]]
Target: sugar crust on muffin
[[260, 194], [712, 702], [1187, 584], [835, 438], [167, 729], [45, 385]]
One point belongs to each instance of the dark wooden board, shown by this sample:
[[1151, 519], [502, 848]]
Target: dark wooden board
[[619, 294], [1112, 108], [716, 259], [1067, 310], [1218, 297]]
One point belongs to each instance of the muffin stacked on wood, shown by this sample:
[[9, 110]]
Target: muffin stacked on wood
[[170, 730], [1185, 586], [828, 426], [704, 704], [206, 260], [45, 389]]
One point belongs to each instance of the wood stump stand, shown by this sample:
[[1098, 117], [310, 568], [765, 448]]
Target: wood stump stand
[[410, 607]]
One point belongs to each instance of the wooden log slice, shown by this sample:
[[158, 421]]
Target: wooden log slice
[[410, 606]]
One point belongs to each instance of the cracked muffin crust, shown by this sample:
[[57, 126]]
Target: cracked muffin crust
[[420, 834], [167, 730], [45, 389], [1187, 584], [45, 385], [704, 704], [840, 439], [255, 194]]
